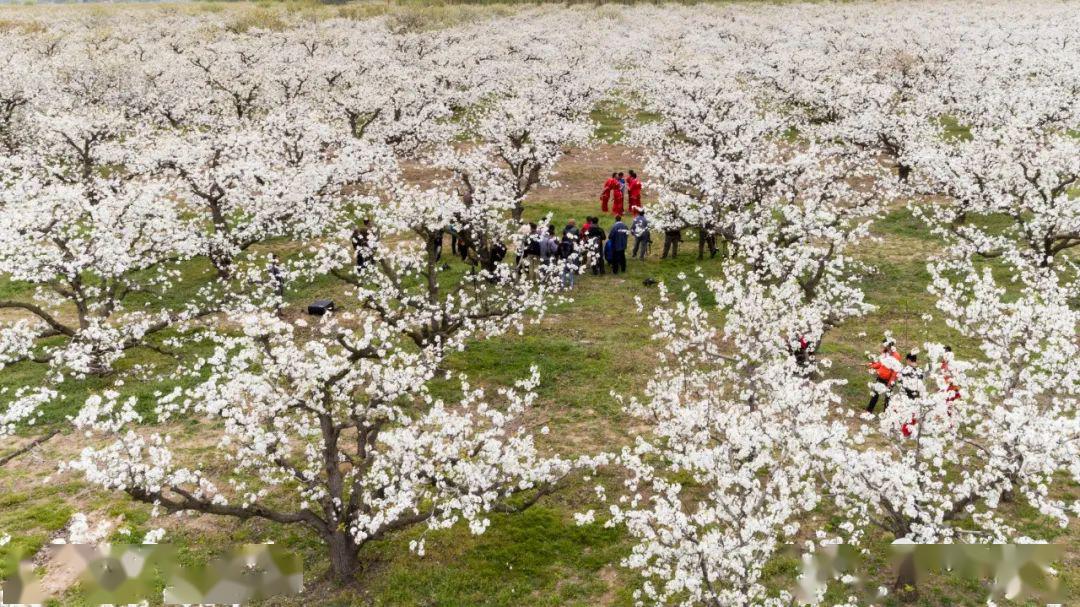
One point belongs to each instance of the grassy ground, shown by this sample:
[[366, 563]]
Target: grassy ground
[[585, 349]]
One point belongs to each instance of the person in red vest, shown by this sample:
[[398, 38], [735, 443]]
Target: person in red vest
[[886, 369], [611, 185], [633, 192]]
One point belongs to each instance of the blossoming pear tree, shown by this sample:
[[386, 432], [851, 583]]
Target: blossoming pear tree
[[247, 181], [1026, 176], [938, 465], [330, 427], [733, 464], [88, 224]]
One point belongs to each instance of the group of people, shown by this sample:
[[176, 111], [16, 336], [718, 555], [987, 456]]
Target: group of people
[[891, 370], [619, 188], [541, 246]]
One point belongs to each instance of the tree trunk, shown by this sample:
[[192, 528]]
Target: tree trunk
[[906, 584], [904, 171], [97, 364], [1008, 496], [27, 447], [222, 264], [343, 556]]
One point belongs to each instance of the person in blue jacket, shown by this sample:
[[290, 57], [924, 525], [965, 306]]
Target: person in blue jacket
[[619, 237]]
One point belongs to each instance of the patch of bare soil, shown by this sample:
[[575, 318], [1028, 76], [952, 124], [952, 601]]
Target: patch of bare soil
[[609, 575], [580, 173], [65, 564]]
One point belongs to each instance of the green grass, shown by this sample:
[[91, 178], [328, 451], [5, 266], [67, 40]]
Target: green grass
[[539, 557], [31, 518]]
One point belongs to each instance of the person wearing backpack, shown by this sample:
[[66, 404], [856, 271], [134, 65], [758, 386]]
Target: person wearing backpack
[[617, 240], [596, 236]]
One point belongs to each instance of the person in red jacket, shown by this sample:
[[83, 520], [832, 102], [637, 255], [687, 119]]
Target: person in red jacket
[[617, 195], [886, 369], [611, 185], [633, 192]]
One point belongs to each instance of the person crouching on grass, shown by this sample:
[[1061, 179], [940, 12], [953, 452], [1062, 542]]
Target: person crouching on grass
[[886, 369]]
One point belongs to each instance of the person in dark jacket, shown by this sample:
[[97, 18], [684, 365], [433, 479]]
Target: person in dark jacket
[[529, 250], [619, 236], [459, 244], [496, 254], [568, 253], [435, 244], [672, 238], [570, 230], [706, 238], [597, 236], [361, 240]]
